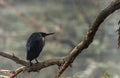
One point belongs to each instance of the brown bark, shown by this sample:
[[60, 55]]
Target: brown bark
[[68, 59]]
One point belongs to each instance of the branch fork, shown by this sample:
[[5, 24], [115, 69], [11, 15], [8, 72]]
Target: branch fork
[[66, 61]]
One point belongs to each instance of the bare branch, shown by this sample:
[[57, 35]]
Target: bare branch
[[68, 59], [14, 58], [13, 73], [17, 71], [9, 72], [119, 22], [2, 76], [90, 35], [34, 68], [118, 30]]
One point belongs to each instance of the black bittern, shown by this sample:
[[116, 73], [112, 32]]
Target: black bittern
[[35, 44]]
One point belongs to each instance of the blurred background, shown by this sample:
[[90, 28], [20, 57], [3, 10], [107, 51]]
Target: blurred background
[[70, 20]]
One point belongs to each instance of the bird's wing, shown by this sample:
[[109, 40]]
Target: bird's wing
[[29, 41]]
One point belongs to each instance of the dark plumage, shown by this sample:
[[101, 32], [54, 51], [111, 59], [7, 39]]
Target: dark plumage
[[35, 44]]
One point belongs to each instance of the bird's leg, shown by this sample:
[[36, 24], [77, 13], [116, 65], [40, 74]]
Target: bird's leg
[[36, 61], [30, 63]]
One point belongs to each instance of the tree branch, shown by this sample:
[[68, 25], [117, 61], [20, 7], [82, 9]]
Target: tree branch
[[12, 73], [90, 35], [68, 59], [34, 68], [14, 58]]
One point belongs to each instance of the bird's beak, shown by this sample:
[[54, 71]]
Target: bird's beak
[[47, 34]]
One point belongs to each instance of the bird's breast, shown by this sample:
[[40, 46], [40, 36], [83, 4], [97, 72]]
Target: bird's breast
[[43, 39]]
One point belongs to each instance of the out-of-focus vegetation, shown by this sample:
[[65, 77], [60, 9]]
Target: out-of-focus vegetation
[[106, 75], [70, 19]]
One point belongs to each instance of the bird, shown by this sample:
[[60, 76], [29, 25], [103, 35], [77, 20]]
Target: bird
[[34, 45]]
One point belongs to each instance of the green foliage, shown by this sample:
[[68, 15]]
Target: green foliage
[[106, 75]]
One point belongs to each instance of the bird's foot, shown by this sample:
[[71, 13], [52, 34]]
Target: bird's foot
[[30, 64], [36, 61]]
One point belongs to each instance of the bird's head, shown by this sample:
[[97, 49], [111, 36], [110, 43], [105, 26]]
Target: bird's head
[[46, 34]]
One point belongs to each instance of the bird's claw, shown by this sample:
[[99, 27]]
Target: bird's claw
[[36, 62]]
